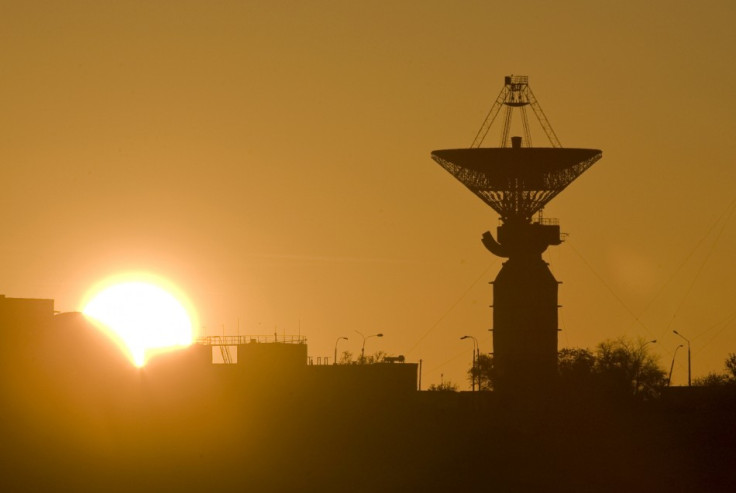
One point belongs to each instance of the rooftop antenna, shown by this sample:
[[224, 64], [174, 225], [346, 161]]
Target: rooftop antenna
[[517, 182]]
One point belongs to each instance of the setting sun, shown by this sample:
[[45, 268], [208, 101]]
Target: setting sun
[[142, 315]]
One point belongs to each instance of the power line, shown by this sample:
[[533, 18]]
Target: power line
[[453, 358], [452, 307], [702, 264], [684, 261], [610, 289], [726, 323]]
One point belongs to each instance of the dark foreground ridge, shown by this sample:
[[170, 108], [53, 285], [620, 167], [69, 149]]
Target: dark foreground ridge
[[76, 416]]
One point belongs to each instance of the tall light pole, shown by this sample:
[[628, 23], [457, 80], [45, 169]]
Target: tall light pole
[[689, 374], [334, 362], [362, 348], [672, 366], [475, 359]]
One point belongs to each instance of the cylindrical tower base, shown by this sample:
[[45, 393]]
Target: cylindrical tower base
[[525, 325]]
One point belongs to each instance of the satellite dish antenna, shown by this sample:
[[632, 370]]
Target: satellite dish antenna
[[517, 181]]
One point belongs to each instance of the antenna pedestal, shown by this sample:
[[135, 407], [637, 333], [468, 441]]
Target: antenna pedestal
[[525, 310]]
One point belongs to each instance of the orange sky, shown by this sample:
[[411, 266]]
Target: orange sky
[[273, 161]]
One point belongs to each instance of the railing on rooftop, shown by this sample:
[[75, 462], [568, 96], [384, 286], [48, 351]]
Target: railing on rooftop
[[547, 221], [251, 339]]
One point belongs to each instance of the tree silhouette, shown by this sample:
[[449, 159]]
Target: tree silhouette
[[618, 368], [712, 379], [446, 386], [482, 373], [731, 366], [370, 359], [626, 367], [715, 379], [575, 367], [347, 358]]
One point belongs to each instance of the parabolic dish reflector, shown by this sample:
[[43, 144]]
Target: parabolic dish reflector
[[516, 182]]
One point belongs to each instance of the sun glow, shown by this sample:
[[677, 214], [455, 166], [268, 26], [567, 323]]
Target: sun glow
[[145, 316]]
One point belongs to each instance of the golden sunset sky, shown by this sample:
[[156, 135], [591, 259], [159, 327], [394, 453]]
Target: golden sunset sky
[[273, 160]]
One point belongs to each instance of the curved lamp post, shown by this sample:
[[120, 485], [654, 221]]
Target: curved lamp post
[[648, 342], [639, 362], [476, 356], [362, 348], [689, 382], [334, 362], [672, 366]]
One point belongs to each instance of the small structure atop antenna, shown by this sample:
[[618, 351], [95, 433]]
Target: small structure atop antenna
[[515, 95]]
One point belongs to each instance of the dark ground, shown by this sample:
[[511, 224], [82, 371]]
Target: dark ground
[[76, 417]]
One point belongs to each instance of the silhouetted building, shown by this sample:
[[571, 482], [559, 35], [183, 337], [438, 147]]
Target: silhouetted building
[[284, 361], [25, 316], [374, 378]]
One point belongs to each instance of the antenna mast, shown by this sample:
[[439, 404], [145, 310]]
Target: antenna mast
[[516, 94]]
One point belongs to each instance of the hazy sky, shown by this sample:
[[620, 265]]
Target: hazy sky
[[273, 160]]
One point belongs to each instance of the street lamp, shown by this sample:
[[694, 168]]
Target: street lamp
[[334, 362], [639, 362], [689, 382], [476, 356], [362, 349], [672, 366]]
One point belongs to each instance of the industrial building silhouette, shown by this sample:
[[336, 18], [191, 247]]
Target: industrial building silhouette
[[285, 359]]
